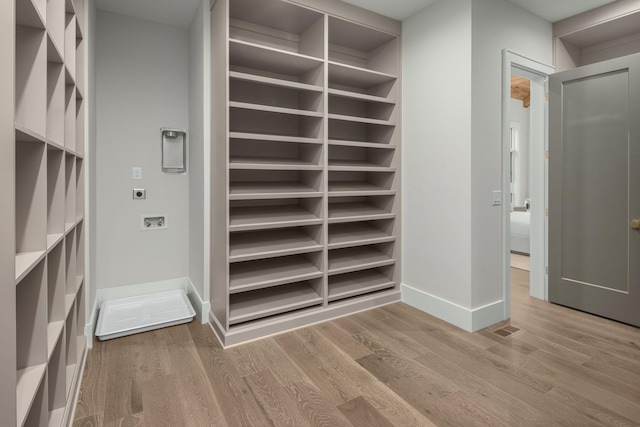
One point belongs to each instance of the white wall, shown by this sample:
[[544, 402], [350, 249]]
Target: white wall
[[520, 115], [497, 24], [141, 86], [199, 140], [452, 71], [436, 151]]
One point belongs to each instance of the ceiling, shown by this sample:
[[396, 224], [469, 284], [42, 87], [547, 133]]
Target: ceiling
[[181, 12]]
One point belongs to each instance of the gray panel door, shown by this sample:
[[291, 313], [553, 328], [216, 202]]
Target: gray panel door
[[594, 189]]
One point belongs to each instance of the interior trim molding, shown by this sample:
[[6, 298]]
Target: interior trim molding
[[471, 320]]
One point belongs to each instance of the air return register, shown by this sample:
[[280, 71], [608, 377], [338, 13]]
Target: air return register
[[127, 316]]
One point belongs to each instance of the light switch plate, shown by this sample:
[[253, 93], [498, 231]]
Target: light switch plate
[[136, 173], [497, 197]]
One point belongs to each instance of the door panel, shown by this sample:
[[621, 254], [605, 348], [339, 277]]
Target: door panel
[[594, 189]]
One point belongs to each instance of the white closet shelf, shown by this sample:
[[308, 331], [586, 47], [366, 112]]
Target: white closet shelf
[[69, 299], [361, 144], [365, 120], [358, 283], [266, 217], [356, 211], [253, 245], [272, 109], [270, 190], [54, 331], [71, 370], [24, 134], [348, 75], [55, 417], [356, 259], [357, 188], [251, 55], [27, 14], [360, 96], [29, 380], [26, 261], [268, 302], [274, 163], [356, 234], [275, 138], [252, 275], [69, 76], [352, 165], [237, 75], [54, 53], [53, 240]]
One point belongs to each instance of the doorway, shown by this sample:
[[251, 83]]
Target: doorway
[[537, 74]]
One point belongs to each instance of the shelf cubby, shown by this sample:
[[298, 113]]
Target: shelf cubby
[[263, 244], [256, 154], [351, 130], [344, 105], [70, 118], [259, 121], [274, 138], [31, 79], [345, 235], [56, 287], [56, 378], [247, 306], [268, 273], [31, 335], [360, 258], [350, 183], [353, 209], [350, 158], [80, 125], [349, 285], [70, 46], [31, 13], [37, 414], [279, 25], [267, 184], [281, 97], [80, 310], [246, 215], [70, 191], [55, 195], [56, 22], [262, 61], [55, 103], [357, 80], [79, 189], [71, 349], [79, 65], [31, 204], [71, 280], [363, 47]]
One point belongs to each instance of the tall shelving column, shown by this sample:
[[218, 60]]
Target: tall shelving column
[[305, 149], [364, 187], [49, 187]]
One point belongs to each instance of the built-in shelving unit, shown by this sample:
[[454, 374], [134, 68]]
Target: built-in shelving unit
[[49, 207], [307, 155]]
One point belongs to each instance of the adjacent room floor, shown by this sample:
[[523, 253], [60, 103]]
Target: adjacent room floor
[[393, 366]]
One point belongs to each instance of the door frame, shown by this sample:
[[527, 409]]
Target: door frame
[[538, 73]]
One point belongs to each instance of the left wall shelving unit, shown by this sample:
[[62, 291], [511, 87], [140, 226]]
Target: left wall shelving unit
[[48, 138]]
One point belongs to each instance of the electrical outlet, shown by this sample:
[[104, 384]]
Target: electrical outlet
[[139, 194]]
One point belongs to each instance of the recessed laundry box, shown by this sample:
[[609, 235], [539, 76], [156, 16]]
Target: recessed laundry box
[[127, 316]]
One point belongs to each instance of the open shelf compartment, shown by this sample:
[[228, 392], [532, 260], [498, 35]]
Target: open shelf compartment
[[270, 214], [257, 154], [263, 244], [360, 258], [358, 283]]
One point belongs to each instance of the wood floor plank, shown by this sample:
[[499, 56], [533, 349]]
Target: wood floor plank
[[122, 391], [92, 394], [135, 420], [95, 420], [161, 406], [232, 393], [343, 339], [361, 414], [153, 357], [195, 393], [279, 406], [590, 408], [315, 407], [266, 354]]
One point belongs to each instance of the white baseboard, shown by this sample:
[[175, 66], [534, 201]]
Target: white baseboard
[[470, 320], [201, 307]]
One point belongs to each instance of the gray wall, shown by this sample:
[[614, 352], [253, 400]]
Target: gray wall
[[141, 86], [452, 74]]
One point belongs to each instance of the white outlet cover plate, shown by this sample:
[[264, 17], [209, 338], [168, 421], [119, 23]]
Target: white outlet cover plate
[[143, 222]]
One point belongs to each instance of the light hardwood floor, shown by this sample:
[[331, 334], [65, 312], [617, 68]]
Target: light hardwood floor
[[393, 366]]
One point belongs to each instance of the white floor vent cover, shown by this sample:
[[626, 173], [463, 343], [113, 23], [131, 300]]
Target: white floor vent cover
[[132, 315]]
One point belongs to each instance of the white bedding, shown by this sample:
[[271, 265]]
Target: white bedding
[[520, 230]]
